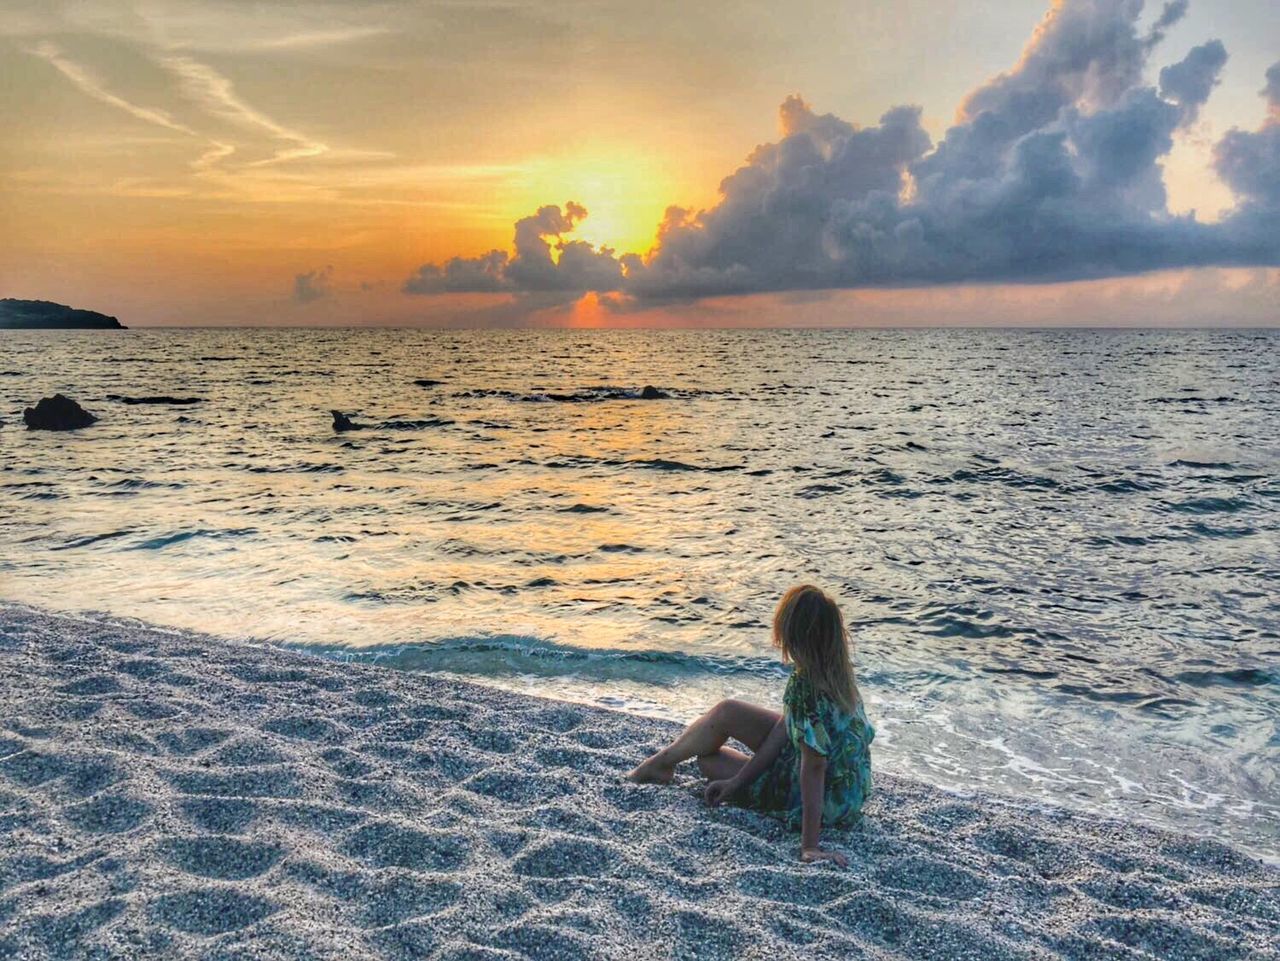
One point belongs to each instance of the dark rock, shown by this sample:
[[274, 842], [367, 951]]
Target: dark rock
[[46, 315], [57, 413], [161, 399], [427, 382], [342, 422], [652, 393]]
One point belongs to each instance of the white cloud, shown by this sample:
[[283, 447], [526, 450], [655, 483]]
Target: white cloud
[[216, 94], [85, 81]]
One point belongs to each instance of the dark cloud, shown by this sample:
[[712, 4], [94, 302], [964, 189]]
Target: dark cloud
[[1272, 90], [1189, 82], [531, 269], [1052, 172], [1249, 163], [312, 286], [1173, 11]]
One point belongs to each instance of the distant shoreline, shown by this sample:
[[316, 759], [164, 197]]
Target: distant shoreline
[[46, 315]]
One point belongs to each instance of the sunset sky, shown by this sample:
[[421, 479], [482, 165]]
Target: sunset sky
[[182, 162]]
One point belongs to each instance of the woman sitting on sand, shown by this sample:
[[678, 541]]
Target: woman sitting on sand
[[812, 762]]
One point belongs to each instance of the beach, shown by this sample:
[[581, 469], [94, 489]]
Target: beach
[[170, 794]]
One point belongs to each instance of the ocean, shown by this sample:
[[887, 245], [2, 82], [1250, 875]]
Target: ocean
[[1058, 551]]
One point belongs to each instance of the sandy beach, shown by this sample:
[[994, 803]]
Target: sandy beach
[[165, 794]]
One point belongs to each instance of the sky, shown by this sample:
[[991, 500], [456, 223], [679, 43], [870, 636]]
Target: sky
[[526, 162]]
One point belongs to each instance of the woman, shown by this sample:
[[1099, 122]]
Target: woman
[[811, 764]]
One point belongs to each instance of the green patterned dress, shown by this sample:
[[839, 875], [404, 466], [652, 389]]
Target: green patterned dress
[[815, 720]]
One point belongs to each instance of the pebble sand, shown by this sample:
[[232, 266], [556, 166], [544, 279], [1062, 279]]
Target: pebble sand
[[165, 794]]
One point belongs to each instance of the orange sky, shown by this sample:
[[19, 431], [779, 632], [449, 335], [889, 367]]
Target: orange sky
[[183, 162]]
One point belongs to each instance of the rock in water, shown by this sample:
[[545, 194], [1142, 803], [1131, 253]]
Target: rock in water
[[160, 399], [57, 413], [428, 382], [342, 422], [652, 393]]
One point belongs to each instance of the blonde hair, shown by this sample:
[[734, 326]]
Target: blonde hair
[[809, 631]]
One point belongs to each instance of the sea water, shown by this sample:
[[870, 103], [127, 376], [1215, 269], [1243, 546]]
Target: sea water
[[1058, 551]]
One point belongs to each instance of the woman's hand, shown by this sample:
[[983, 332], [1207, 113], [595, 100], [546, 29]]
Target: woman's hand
[[809, 855], [718, 792]]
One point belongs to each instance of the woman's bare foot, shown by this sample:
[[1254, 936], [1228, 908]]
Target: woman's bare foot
[[653, 771]]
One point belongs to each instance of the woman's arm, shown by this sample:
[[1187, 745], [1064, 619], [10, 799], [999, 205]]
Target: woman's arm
[[770, 748], [813, 786]]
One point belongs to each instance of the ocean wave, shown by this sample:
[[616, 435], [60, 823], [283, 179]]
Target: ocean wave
[[423, 424], [517, 654], [295, 468], [130, 484], [1192, 399], [819, 490], [1230, 677], [999, 475], [1203, 465], [660, 463], [1209, 505], [33, 490], [1129, 485], [574, 462], [90, 539], [1207, 530], [178, 537]]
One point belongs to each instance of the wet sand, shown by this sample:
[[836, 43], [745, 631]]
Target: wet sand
[[166, 794]]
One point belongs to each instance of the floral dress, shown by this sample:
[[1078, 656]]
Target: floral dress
[[844, 738]]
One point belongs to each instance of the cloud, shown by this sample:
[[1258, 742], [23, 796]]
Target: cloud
[[1189, 82], [313, 285], [317, 38], [216, 94], [1052, 172], [1173, 11], [1272, 91], [88, 84], [205, 87], [531, 269], [209, 26], [1249, 163]]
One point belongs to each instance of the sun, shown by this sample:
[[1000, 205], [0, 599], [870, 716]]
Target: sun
[[625, 196]]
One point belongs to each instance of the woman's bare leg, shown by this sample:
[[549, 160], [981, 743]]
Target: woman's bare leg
[[747, 723], [722, 765]]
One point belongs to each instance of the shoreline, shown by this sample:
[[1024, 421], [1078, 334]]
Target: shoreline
[[172, 793]]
